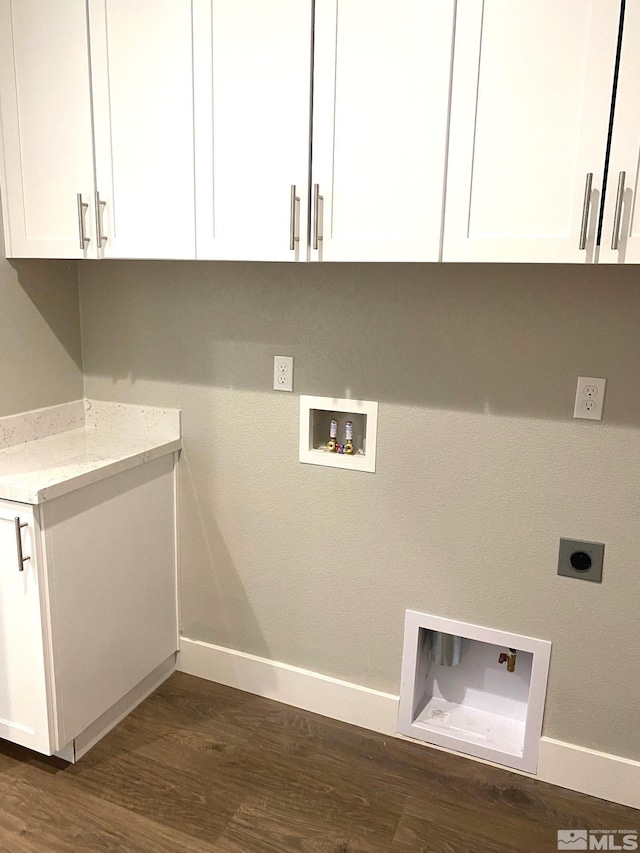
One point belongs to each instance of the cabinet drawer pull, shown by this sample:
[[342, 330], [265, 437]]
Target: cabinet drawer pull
[[616, 220], [585, 211], [21, 559], [317, 222], [82, 206], [294, 226], [100, 236]]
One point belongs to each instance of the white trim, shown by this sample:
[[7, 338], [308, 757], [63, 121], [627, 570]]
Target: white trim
[[609, 777], [301, 688], [598, 774], [512, 747], [312, 456], [176, 542]]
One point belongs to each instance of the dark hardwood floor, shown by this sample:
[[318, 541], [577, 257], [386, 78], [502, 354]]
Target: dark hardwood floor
[[201, 767]]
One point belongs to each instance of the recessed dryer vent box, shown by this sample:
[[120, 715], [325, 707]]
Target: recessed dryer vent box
[[316, 414], [476, 707]]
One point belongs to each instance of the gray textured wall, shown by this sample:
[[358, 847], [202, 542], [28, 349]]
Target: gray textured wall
[[481, 467], [40, 353]]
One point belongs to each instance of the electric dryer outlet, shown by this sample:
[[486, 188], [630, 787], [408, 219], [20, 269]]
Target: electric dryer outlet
[[581, 560]]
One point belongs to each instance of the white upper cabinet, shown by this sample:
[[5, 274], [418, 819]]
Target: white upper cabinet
[[321, 130], [380, 105], [24, 713], [141, 63], [531, 99], [252, 73], [45, 124], [97, 128], [620, 240]]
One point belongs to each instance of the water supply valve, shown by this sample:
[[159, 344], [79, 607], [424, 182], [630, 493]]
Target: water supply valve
[[509, 658]]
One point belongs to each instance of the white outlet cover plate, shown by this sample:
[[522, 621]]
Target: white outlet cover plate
[[589, 398], [283, 373]]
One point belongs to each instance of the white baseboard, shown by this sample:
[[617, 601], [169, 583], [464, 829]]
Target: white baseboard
[[599, 774], [301, 688]]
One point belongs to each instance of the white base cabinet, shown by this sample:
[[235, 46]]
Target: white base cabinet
[[24, 695], [93, 612]]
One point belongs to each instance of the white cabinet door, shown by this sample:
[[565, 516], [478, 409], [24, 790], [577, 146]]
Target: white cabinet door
[[23, 690], [531, 97], [252, 77], [45, 123], [380, 108], [622, 187], [141, 65]]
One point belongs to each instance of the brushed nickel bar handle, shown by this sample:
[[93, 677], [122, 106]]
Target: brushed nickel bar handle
[[316, 196], [616, 221], [99, 235], [585, 211], [82, 206], [317, 221], [294, 226], [21, 559]]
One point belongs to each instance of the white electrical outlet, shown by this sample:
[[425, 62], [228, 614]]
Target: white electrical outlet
[[589, 398], [283, 373]]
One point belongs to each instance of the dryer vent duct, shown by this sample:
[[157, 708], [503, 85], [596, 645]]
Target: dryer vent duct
[[446, 649]]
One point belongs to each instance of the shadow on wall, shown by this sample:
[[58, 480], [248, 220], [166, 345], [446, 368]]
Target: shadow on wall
[[230, 610], [46, 283], [504, 339]]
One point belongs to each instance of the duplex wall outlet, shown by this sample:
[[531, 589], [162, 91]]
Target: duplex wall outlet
[[582, 560], [589, 398], [283, 373]]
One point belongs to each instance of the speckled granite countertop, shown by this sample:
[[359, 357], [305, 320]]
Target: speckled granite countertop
[[49, 452]]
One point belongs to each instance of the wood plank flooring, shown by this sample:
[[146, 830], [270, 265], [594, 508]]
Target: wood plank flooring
[[201, 767]]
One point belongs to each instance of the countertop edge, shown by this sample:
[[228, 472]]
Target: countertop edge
[[40, 496]]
